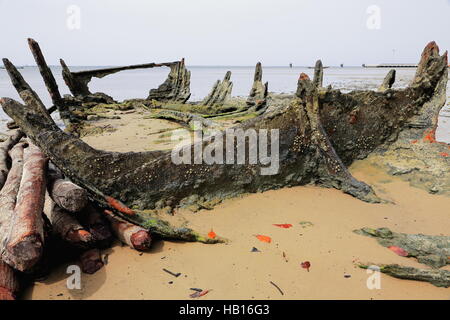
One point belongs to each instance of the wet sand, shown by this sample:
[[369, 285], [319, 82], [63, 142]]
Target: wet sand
[[322, 219]]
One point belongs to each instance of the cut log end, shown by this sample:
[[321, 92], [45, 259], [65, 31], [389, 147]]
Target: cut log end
[[68, 195], [69, 202], [24, 254], [141, 240], [91, 261]]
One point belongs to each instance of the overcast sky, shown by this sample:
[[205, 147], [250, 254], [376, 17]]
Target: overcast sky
[[225, 32]]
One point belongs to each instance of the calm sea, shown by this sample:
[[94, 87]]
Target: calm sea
[[136, 83]]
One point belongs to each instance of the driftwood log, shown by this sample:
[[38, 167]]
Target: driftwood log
[[97, 225], [9, 282], [134, 236], [66, 194], [320, 132], [5, 146], [24, 243], [65, 225], [8, 194], [91, 261]]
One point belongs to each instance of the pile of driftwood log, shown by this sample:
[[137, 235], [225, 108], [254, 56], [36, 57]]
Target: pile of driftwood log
[[87, 195], [42, 213]]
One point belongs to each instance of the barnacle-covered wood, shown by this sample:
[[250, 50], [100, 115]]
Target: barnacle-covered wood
[[220, 92], [414, 154], [176, 88], [320, 132]]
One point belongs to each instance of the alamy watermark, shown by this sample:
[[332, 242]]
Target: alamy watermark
[[232, 146], [74, 280], [374, 19], [73, 21]]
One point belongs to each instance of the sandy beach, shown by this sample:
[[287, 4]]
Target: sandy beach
[[322, 221]]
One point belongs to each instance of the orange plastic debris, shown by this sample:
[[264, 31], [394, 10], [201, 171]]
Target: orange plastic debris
[[285, 225], [401, 252], [306, 265], [444, 154], [430, 136], [199, 294], [212, 234], [264, 238], [119, 206]]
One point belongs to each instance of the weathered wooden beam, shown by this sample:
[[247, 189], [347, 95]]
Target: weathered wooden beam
[[176, 88], [220, 92], [257, 97], [318, 74], [76, 87], [23, 88], [78, 81], [100, 73], [46, 73]]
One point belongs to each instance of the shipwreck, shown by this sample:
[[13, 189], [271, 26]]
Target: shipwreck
[[321, 132]]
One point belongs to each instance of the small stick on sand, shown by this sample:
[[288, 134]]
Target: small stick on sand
[[282, 293], [176, 275]]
